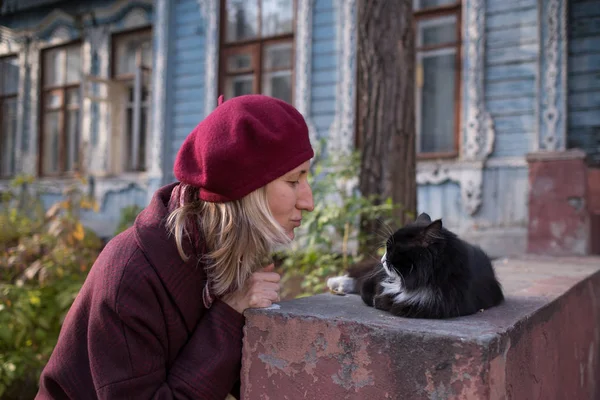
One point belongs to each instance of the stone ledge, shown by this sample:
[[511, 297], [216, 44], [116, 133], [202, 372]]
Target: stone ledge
[[543, 342]]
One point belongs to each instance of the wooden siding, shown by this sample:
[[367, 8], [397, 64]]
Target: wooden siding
[[324, 66], [500, 225], [510, 75], [505, 191], [584, 77], [187, 69]]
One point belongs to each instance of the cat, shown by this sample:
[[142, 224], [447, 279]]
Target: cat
[[426, 272]]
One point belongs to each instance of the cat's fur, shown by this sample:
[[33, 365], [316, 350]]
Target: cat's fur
[[426, 272]]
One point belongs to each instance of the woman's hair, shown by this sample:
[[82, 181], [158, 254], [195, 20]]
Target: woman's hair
[[239, 235]]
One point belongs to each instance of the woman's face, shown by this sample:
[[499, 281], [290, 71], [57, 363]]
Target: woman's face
[[288, 196]]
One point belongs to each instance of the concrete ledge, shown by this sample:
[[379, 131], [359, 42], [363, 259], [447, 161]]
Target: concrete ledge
[[542, 343]]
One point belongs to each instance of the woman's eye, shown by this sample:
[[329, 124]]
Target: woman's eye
[[293, 183]]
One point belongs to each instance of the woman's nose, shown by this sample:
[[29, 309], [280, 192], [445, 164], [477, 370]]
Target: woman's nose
[[305, 198]]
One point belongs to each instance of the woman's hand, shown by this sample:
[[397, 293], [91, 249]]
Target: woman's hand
[[261, 290]]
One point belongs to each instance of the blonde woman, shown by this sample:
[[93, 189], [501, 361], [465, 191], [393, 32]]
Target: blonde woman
[[160, 315]]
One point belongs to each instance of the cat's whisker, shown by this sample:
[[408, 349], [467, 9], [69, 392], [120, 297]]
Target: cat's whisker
[[383, 236], [385, 230]]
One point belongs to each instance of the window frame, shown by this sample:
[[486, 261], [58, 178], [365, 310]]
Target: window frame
[[64, 110], [127, 80], [3, 97], [256, 46], [454, 9]]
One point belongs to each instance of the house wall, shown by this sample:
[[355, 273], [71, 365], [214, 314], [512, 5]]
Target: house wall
[[51, 26], [505, 37], [188, 75], [324, 66], [511, 36], [584, 77], [511, 51]]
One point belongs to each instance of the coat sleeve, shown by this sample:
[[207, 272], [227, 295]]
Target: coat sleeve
[[135, 358]]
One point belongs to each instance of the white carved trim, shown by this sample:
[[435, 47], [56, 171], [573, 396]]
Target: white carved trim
[[87, 48], [113, 9], [565, 56], [159, 89], [303, 64], [30, 158], [60, 34], [551, 113], [19, 154], [552, 74], [209, 10], [8, 47], [135, 18], [104, 109], [468, 175], [97, 40], [341, 133], [479, 130], [55, 16], [10, 41]]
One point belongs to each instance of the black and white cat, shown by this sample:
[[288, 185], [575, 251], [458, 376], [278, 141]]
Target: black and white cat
[[426, 272]]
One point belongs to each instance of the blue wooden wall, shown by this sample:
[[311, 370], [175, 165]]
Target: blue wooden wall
[[324, 66], [187, 69], [510, 75], [584, 77]]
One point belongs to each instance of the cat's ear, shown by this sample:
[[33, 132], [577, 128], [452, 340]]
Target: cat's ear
[[424, 217], [434, 231]]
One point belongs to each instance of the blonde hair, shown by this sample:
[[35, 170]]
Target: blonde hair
[[239, 236]]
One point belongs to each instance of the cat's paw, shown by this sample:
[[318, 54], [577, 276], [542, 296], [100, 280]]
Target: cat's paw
[[341, 285]]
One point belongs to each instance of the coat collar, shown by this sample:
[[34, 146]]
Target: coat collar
[[183, 281]]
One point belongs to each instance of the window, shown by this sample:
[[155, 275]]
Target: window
[[60, 137], [132, 61], [9, 82], [257, 48], [438, 41]]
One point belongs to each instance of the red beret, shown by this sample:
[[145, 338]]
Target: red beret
[[245, 143]]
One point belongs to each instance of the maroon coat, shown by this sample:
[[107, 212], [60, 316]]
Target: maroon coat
[[139, 330]]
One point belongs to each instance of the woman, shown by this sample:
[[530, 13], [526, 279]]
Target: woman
[[160, 314]]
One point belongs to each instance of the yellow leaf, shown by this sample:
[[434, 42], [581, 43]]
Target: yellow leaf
[[34, 300], [79, 232]]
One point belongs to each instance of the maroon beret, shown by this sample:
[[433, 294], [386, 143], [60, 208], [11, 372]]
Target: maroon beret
[[245, 143]]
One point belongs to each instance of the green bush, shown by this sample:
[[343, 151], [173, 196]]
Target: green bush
[[127, 217], [44, 259], [331, 234]]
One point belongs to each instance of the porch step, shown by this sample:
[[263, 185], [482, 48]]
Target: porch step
[[542, 343]]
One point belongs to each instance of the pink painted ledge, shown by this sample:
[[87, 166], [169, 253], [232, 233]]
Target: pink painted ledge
[[542, 343]]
